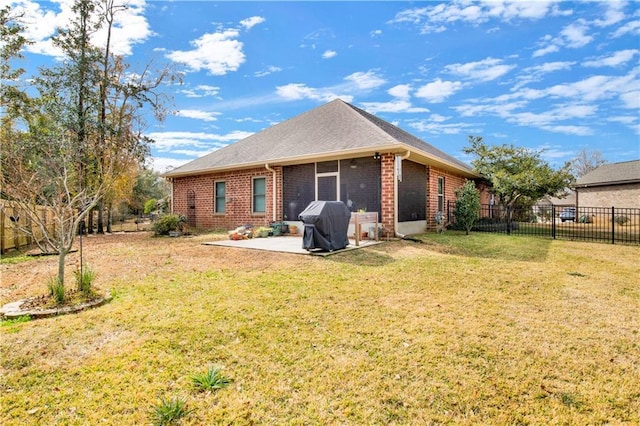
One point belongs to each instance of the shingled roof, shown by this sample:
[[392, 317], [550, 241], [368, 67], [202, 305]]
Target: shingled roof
[[611, 174], [334, 130]]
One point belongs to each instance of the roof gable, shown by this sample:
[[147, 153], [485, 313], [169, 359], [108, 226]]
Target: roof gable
[[329, 129], [614, 173]]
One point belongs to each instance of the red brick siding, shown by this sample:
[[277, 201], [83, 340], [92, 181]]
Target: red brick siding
[[451, 183], [387, 201], [238, 196]]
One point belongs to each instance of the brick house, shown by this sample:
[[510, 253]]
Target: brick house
[[333, 152], [610, 185]]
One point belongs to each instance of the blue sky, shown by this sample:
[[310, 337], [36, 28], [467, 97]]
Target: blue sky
[[558, 76]]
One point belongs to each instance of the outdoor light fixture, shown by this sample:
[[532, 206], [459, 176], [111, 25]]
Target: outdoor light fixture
[[353, 164], [376, 156]]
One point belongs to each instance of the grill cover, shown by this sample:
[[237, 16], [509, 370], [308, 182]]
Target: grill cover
[[325, 225]]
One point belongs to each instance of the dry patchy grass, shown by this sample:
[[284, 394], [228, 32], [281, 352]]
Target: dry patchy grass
[[483, 329]]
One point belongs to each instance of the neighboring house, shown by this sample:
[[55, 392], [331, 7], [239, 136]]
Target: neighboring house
[[333, 152], [543, 209], [610, 185]]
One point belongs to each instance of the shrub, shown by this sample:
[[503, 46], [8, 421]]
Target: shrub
[[84, 279], [56, 289], [168, 412], [211, 380], [467, 205], [150, 205], [169, 222]]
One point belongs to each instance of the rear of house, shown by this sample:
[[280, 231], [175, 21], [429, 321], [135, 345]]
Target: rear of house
[[336, 152]]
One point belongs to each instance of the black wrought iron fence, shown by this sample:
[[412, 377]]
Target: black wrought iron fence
[[606, 224]]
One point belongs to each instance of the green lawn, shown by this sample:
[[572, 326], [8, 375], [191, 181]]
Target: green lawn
[[478, 329]]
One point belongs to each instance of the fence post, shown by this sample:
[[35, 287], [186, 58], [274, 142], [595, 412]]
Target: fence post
[[613, 225], [553, 221], [508, 220]]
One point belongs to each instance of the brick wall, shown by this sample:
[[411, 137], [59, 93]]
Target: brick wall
[[387, 202], [451, 183], [238, 198], [622, 196]]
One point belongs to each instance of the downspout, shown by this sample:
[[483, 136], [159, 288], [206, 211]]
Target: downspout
[[395, 194], [172, 195], [273, 190]]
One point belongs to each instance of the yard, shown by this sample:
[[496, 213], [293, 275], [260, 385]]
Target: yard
[[485, 328]]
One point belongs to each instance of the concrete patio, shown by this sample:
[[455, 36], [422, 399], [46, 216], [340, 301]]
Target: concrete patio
[[287, 244]]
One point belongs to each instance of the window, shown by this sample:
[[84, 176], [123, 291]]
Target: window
[[441, 194], [259, 195], [220, 192]]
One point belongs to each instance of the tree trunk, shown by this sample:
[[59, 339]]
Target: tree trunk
[[100, 219], [62, 254], [90, 222], [109, 217]]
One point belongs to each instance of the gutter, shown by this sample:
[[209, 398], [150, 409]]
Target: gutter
[[273, 190], [395, 193]]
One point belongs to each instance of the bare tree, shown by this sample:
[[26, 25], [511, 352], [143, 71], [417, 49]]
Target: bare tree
[[85, 130], [586, 161]]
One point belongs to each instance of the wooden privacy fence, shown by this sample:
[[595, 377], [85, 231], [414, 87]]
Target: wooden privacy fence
[[12, 215]]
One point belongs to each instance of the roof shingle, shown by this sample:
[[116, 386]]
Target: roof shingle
[[614, 173], [326, 130]]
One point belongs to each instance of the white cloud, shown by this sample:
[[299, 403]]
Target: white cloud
[[536, 73], [396, 106], [328, 54], [130, 26], [252, 22], [400, 91], [486, 70], [218, 53], [574, 35], [436, 125], [631, 100], [552, 48], [612, 15], [165, 164], [298, 91], [198, 115], [631, 28], [375, 33], [616, 59], [434, 19], [401, 103], [201, 91], [269, 70], [366, 80], [171, 141], [438, 90]]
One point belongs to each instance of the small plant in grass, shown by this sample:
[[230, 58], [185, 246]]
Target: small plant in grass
[[213, 379], [56, 289], [13, 321], [84, 279], [169, 411]]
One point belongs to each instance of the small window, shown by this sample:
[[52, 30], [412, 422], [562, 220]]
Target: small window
[[220, 192], [259, 195], [441, 194], [327, 167]]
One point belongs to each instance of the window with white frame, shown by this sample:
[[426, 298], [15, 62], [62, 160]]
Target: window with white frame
[[259, 195], [219, 194], [441, 194]]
